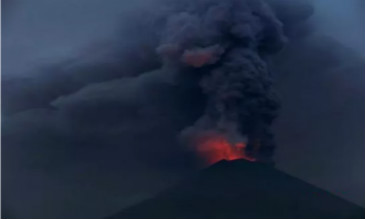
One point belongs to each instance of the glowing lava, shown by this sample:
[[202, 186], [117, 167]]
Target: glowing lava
[[215, 148]]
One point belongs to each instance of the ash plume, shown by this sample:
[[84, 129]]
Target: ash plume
[[114, 111], [227, 44]]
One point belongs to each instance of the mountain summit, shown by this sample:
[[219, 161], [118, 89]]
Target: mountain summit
[[243, 189]]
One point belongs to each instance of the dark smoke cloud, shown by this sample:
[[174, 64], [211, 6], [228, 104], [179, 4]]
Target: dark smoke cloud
[[116, 58], [227, 44], [120, 133], [90, 135]]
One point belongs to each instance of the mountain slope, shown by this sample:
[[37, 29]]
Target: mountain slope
[[243, 189]]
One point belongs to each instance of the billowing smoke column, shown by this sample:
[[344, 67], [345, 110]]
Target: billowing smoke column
[[227, 43]]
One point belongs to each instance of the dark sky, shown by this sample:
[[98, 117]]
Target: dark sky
[[72, 124]]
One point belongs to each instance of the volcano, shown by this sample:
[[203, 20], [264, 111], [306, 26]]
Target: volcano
[[243, 189]]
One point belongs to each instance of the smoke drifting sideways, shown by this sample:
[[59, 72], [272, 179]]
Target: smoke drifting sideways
[[218, 48]]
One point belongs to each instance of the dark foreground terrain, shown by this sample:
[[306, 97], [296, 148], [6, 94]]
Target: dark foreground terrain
[[243, 189]]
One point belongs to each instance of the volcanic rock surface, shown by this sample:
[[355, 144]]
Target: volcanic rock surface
[[243, 189]]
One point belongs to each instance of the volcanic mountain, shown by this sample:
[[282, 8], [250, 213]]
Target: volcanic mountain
[[243, 189]]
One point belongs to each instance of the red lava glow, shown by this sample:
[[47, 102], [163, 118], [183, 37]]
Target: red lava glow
[[215, 148]]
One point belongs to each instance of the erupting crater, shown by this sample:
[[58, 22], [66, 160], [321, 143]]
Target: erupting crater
[[214, 148]]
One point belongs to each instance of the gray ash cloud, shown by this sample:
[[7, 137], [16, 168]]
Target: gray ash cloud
[[227, 43]]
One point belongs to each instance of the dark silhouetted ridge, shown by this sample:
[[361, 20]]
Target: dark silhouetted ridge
[[243, 189]]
